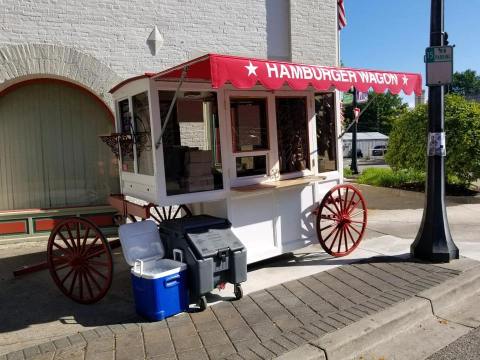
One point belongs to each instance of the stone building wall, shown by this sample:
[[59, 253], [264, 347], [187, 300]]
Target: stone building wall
[[96, 43]]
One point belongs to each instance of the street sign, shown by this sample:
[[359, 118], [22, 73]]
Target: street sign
[[347, 98], [439, 60], [362, 97]]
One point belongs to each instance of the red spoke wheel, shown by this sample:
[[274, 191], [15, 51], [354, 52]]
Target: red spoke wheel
[[341, 220], [161, 213], [80, 260]]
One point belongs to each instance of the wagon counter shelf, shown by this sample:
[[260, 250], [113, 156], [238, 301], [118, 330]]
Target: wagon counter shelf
[[252, 141]]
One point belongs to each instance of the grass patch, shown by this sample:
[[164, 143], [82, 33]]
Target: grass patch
[[347, 172], [412, 180], [386, 177]]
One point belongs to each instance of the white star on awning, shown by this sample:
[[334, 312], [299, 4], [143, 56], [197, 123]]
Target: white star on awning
[[252, 70], [405, 80]]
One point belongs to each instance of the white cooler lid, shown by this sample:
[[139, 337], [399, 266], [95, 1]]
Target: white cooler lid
[[157, 268], [140, 240]]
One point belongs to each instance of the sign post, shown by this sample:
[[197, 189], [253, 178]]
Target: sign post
[[434, 241]]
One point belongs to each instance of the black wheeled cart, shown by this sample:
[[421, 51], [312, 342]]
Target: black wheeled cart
[[214, 255]]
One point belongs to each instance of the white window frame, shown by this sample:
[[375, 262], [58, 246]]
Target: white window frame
[[270, 153], [311, 128], [193, 197]]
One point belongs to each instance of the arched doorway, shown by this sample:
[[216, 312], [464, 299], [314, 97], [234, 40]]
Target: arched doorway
[[50, 152]]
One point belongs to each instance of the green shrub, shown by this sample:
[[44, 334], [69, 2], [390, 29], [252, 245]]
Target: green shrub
[[389, 178], [347, 172], [408, 140]]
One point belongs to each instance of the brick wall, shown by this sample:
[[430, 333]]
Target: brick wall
[[114, 32]]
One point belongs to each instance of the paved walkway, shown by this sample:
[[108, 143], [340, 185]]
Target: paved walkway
[[262, 325]]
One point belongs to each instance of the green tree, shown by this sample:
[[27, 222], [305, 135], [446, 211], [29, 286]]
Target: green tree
[[408, 139], [466, 83], [379, 114]]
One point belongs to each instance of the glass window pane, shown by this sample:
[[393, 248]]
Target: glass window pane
[[126, 147], [292, 133], [191, 144], [251, 165], [143, 135], [326, 135], [249, 124]]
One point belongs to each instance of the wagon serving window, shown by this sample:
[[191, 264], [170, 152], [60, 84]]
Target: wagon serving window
[[292, 134], [326, 139], [143, 141], [191, 143]]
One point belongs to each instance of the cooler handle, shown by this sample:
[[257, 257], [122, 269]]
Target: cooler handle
[[172, 281], [138, 263], [178, 255]]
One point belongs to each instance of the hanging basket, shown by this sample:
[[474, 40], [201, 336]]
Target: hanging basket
[[122, 143]]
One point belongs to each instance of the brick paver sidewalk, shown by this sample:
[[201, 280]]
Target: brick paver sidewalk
[[262, 325]]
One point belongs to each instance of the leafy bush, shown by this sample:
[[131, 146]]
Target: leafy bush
[[408, 140], [389, 178], [347, 172]]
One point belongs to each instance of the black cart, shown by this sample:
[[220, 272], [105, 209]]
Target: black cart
[[214, 255]]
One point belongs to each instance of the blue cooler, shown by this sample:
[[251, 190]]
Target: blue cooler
[[159, 285]]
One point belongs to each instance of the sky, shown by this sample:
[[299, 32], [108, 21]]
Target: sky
[[393, 34]]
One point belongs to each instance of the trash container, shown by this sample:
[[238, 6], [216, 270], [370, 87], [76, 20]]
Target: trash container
[[159, 285], [214, 254]]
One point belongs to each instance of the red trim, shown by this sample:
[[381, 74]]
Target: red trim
[[46, 224], [14, 227], [125, 82], [102, 220], [97, 99]]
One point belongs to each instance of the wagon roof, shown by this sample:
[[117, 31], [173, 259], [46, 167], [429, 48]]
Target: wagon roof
[[245, 73]]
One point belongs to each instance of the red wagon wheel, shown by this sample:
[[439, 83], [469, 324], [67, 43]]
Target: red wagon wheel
[[80, 260], [341, 220], [161, 213]]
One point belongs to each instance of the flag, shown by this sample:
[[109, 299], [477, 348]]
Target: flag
[[342, 19]]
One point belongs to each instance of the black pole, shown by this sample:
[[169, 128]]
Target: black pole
[[434, 241], [353, 164]]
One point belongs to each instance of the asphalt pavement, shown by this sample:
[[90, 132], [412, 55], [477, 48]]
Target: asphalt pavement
[[467, 347]]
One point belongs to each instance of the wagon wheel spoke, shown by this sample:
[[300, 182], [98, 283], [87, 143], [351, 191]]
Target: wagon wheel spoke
[[95, 254], [76, 268], [162, 213], [97, 272], [347, 220], [62, 249], [85, 238], [90, 246], [351, 227], [327, 227], [350, 235], [69, 246], [346, 198], [89, 287], [70, 236], [89, 274], [67, 276], [98, 263], [334, 239], [72, 284], [334, 202], [80, 277], [177, 212]]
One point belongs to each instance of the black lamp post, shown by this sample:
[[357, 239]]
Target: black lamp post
[[353, 164], [434, 241]]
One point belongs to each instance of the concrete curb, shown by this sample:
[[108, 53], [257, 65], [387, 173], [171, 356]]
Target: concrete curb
[[375, 329]]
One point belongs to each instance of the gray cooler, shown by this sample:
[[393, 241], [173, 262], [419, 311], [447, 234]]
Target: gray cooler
[[214, 255]]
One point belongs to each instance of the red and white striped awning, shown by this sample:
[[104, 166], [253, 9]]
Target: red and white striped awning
[[245, 73]]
